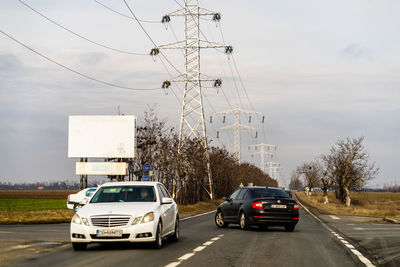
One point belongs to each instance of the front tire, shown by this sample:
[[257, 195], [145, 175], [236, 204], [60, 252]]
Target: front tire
[[79, 246], [219, 220], [244, 224], [175, 236], [159, 241]]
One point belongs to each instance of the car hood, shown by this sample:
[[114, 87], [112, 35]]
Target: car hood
[[117, 208]]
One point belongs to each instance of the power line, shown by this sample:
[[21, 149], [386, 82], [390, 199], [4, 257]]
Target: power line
[[78, 35], [151, 39], [119, 13], [77, 72]]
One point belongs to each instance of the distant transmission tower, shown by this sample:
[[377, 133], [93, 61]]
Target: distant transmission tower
[[265, 149], [192, 114], [237, 128]]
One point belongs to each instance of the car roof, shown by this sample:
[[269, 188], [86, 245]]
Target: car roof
[[267, 187], [130, 183]]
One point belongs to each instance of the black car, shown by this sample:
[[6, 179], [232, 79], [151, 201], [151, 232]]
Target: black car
[[262, 206]]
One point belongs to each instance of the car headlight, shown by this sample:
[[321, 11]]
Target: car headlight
[[76, 219], [136, 220], [148, 217], [85, 221]]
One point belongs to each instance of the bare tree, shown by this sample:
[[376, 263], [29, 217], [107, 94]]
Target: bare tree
[[311, 171], [295, 182], [348, 168]]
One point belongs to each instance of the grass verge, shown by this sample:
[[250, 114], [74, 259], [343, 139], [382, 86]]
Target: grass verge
[[379, 205], [31, 211]]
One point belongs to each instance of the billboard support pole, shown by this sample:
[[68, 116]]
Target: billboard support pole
[[83, 178]]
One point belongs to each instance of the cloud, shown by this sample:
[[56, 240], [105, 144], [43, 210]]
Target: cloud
[[9, 63], [356, 52]]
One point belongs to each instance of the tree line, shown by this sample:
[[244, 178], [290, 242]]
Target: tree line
[[186, 175], [344, 169]]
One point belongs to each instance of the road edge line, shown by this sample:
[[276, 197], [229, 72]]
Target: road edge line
[[197, 215], [343, 241]]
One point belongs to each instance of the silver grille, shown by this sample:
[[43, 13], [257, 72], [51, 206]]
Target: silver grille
[[110, 221]]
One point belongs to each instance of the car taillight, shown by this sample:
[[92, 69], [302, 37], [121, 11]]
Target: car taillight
[[296, 206], [257, 205], [68, 197]]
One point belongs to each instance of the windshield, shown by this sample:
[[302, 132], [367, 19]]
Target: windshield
[[270, 192], [131, 193]]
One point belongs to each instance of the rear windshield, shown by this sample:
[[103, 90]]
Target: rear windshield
[[270, 192], [125, 194]]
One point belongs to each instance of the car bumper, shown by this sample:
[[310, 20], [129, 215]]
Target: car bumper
[[133, 233], [275, 219]]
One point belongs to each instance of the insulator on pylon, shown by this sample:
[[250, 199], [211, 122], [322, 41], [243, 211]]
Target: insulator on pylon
[[228, 49], [165, 19], [166, 84], [216, 17], [154, 51], [249, 119], [256, 134], [210, 119], [223, 119], [217, 134], [263, 118], [217, 83]]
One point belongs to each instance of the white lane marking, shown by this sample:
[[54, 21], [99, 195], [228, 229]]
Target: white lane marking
[[360, 256], [5, 232], [199, 248], [358, 228], [186, 256], [334, 217], [190, 254], [194, 216]]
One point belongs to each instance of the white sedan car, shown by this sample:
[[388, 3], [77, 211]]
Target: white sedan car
[[126, 212], [74, 200]]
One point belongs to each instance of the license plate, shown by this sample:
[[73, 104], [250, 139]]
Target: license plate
[[106, 233], [276, 206]]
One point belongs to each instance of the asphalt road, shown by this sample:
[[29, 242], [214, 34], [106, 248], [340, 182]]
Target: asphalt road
[[378, 242], [201, 244]]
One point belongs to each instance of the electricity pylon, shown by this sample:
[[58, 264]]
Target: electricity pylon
[[274, 171], [237, 128], [192, 113], [265, 149]]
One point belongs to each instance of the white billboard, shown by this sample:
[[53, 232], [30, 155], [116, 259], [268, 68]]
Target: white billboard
[[102, 137], [101, 168]]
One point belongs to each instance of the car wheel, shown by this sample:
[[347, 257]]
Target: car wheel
[[175, 236], [290, 227], [79, 246], [159, 241], [244, 224], [219, 220]]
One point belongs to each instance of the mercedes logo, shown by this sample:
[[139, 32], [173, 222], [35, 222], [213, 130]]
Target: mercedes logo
[[279, 201]]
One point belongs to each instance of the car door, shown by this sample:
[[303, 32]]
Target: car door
[[237, 203], [167, 211], [228, 211]]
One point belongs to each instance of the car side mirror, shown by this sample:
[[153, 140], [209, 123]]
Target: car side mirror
[[166, 200], [227, 199], [83, 202]]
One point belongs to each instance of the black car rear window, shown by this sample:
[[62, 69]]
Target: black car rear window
[[270, 192]]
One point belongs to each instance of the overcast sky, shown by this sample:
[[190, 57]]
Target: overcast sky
[[320, 71]]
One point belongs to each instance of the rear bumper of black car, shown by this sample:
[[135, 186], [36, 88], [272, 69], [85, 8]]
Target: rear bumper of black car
[[267, 219]]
